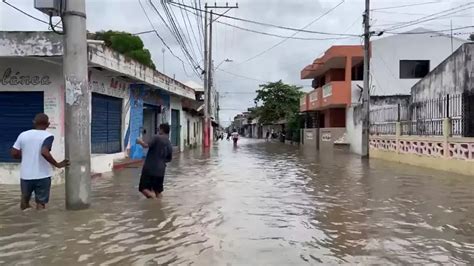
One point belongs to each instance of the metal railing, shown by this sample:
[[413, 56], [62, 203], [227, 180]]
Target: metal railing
[[424, 118]]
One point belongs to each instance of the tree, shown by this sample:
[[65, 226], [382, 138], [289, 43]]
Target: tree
[[127, 44], [278, 101], [471, 37]]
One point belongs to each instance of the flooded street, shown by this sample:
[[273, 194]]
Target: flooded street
[[258, 204]]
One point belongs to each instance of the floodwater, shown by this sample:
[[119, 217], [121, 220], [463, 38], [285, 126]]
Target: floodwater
[[258, 204]]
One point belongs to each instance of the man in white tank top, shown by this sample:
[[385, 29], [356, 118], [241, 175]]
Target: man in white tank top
[[33, 147]]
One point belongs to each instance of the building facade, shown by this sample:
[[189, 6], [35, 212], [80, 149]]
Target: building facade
[[128, 100], [397, 63]]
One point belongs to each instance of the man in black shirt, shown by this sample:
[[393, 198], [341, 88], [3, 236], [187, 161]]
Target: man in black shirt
[[159, 153]]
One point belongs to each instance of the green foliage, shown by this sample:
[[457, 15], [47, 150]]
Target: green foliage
[[279, 101], [127, 44]]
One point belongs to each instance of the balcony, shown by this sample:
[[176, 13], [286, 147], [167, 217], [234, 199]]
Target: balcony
[[335, 94], [304, 103]]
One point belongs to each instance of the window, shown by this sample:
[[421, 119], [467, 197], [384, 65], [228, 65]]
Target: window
[[414, 69]]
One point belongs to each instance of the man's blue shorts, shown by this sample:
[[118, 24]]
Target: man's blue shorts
[[41, 188]]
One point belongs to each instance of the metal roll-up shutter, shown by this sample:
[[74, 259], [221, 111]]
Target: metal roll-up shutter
[[114, 125], [17, 111], [106, 124]]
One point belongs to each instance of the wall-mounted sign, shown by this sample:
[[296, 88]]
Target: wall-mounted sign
[[326, 137], [8, 78], [309, 135]]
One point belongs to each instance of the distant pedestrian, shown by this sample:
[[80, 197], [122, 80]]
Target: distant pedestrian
[[33, 147], [159, 153], [267, 136], [235, 137]]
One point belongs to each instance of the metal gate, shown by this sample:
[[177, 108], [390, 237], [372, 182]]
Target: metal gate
[[106, 126], [17, 110], [175, 127]]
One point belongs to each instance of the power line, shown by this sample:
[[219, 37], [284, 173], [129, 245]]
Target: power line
[[434, 16], [185, 52], [198, 43], [27, 14], [254, 79], [162, 40], [294, 34], [427, 32], [179, 31], [267, 24], [274, 35], [408, 5]]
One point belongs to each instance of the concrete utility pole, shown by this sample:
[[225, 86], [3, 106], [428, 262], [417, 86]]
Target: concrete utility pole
[[366, 91], [77, 133], [208, 69], [206, 142]]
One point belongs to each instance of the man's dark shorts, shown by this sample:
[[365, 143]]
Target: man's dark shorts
[[153, 183], [41, 188]]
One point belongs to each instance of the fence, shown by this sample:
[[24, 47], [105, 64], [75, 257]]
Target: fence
[[424, 118]]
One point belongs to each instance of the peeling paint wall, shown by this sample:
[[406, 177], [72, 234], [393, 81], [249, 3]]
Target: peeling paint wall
[[16, 43], [53, 106], [453, 76]]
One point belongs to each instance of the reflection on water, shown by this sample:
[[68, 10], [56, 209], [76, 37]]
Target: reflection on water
[[258, 204]]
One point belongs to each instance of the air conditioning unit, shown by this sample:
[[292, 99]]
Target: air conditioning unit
[[49, 7]]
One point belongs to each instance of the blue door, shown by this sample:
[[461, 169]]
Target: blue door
[[106, 126], [17, 111], [175, 127]]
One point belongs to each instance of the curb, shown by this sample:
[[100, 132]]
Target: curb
[[122, 165]]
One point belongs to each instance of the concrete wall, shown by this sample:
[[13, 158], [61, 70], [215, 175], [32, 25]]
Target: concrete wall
[[388, 51], [354, 128], [53, 106], [195, 130], [310, 138], [453, 76], [327, 136], [102, 82]]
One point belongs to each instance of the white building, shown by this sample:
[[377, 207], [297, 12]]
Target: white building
[[127, 100]]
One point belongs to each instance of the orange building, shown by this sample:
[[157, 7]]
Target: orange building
[[333, 75]]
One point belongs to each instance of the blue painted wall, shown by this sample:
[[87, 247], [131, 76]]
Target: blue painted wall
[[139, 95], [136, 120]]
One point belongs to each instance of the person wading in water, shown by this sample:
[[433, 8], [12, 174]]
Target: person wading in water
[[159, 153], [33, 147]]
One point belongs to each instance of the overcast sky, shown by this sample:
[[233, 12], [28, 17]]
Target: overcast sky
[[283, 62]]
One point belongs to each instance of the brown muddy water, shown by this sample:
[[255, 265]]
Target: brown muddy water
[[258, 204]]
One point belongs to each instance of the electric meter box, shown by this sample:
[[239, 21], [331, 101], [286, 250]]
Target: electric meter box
[[49, 7]]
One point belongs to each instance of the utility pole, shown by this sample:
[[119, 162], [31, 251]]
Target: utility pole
[[208, 70], [77, 98], [366, 91], [206, 137]]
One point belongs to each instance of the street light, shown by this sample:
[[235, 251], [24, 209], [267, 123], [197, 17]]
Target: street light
[[224, 61]]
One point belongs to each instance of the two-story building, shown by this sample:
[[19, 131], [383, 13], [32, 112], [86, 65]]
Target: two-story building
[[333, 108]]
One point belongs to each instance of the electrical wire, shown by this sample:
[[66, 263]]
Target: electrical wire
[[408, 5], [185, 52], [198, 43], [161, 39], [254, 79], [433, 16], [428, 32], [275, 35], [267, 24], [178, 30], [294, 34], [26, 13]]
